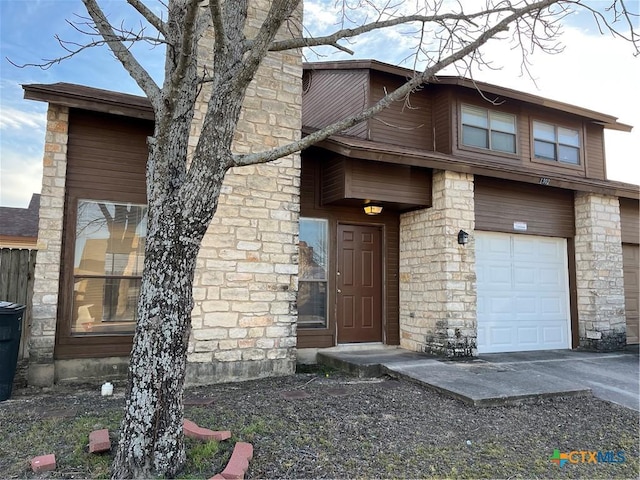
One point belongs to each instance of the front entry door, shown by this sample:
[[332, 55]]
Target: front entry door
[[359, 284]]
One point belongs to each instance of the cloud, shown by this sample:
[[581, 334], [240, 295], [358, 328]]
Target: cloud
[[21, 176], [12, 118]]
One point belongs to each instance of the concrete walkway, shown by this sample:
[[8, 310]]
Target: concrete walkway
[[501, 378]]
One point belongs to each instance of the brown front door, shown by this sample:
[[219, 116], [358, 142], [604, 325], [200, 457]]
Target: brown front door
[[359, 284]]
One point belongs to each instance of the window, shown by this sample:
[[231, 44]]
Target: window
[[560, 144], [312, 281], [107, 270], [484, 128]]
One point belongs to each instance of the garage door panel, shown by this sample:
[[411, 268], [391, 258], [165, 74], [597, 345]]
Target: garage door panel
[[553, 306], [528, 337], [523, 294], [553, 335], [525, 305], [501, 336]]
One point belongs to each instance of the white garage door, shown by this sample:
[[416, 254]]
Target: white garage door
[[523, 293]]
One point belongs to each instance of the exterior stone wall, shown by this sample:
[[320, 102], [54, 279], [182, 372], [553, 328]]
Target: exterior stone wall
[[47, 271], [437, 276], [244, 319], [599, 275]]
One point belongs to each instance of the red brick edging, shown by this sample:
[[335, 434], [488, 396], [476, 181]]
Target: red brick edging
[[43, 463], [192, 430], [238, 463]]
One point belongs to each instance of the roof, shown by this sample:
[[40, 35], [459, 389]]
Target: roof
[[607, 121], [20, 222], [89, 98]]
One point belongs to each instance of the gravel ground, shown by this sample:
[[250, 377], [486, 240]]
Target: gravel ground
[[329, 425]]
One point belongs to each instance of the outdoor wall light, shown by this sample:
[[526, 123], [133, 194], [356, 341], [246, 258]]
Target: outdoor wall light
[[372, 209], [463, 237]]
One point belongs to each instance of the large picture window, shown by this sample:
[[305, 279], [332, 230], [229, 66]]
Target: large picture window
[[551, 142], [483, 128], [107, 270], [313, 273]]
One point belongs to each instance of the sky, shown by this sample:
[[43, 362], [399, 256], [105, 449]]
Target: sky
[[594, 71]]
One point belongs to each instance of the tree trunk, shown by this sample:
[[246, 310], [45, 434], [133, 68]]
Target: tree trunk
[[151, 435]]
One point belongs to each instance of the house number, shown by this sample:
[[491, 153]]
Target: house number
[[545, 181]]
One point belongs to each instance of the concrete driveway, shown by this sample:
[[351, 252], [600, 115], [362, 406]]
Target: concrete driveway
[[505, 377]]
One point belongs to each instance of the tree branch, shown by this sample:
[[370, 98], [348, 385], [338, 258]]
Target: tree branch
[[151, 17], [218, 24], [187, 42], [414, 83], [333, 38], [279, 11], [127, 59]]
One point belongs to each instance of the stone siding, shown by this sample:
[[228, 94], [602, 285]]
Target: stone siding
[[47, 272], [437, 276], [599, 275], [244, 319]]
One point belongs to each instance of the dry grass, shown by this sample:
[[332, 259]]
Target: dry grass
[[345, 427]]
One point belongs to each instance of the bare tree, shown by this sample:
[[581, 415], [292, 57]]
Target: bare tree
[[183, 196]]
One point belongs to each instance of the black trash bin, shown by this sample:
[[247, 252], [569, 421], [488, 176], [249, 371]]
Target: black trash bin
[[10, 331]]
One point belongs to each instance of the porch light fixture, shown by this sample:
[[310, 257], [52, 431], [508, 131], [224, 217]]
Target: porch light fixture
[[372, 209], [463, 237]]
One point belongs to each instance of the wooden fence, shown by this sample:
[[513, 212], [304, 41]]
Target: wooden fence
[[17, 267]]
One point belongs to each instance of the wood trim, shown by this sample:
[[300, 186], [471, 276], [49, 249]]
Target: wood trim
[[113, 140], [630, 220], [557, 165], [573, 294], [389, 221], [93, 99], [378, 152]]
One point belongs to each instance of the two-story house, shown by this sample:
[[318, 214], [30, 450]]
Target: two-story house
[[467, 219], [498, 230]]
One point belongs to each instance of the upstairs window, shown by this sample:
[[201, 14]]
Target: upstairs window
[[560, 144], [483, 128]]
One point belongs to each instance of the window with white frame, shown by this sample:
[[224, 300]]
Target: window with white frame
[[313, 273], [484, 128], [560, 144]]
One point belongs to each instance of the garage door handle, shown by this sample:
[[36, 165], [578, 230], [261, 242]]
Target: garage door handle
[[339, 291]]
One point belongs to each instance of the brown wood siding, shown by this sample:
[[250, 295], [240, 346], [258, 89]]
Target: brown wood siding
[[630, 220], [443, 126], [592, 140], [546, 211], [389, 220], [399, 186], [406, 122], [107, 155], [334, 95], [106, 160], [333, 173], [594, 151], [385, 182], [631, 268]]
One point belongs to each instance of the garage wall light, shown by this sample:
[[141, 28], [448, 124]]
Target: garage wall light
[[463, 237]]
